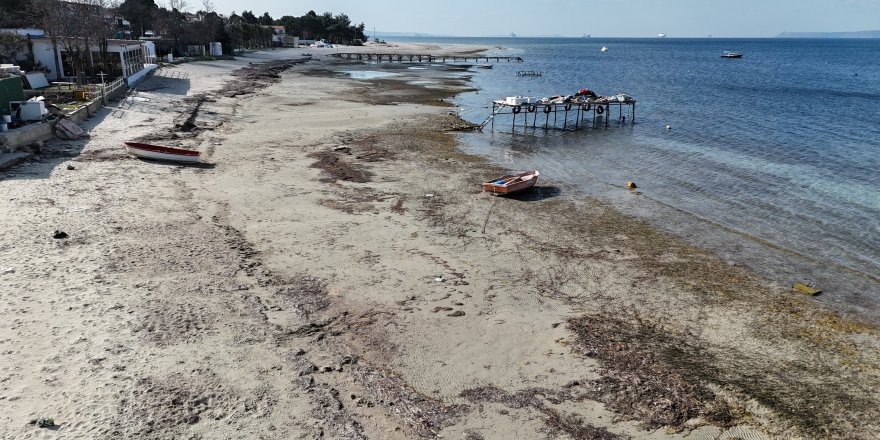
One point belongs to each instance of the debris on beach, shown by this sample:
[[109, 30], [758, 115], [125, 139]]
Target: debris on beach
[[58, 234], [806, 288], [631, 185], [43, 422]]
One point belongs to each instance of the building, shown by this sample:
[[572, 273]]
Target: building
[[127, 59]]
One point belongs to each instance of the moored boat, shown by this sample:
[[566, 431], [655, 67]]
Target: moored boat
[[149, 151], [511, 183]]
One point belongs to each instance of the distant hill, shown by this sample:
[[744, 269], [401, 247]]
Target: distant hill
[[859, 34]]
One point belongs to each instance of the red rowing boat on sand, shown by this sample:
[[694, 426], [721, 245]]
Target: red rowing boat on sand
[[511, 183], [149, 151]]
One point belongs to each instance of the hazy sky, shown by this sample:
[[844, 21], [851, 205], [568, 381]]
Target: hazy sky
[[613, 18]]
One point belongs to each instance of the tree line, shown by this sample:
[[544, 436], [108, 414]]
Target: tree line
[[77, 24]]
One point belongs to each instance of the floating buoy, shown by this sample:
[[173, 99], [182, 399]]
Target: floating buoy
[[631, 185], [668, 127]]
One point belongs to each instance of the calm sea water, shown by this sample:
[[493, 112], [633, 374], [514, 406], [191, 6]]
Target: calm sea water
[[773, 160]]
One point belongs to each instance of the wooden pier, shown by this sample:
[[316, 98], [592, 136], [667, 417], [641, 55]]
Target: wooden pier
[[419, 58], [590, 114]]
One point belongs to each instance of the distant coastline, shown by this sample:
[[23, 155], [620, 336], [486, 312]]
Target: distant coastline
[[859, 34]]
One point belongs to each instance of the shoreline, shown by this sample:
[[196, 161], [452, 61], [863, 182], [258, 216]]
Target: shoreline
[[332, 300]]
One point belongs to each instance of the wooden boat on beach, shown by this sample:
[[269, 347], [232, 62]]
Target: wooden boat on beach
[[511, 183], [149, 151]]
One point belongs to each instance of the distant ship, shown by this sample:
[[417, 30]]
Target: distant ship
[[512, 35], [661, 35], [586, 35]]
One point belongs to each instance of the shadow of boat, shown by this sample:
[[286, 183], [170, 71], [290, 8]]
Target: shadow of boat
[[535, 193], [201, 165]]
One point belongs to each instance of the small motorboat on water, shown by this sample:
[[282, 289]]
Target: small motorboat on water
[[158, 152], [728, 54], [484, 66], [511, 183], [604, 49]]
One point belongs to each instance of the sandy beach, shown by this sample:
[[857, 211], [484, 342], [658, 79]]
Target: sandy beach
[[333, 270]]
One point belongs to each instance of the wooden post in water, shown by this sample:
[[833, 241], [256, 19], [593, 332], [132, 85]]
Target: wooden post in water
[[565, 121]]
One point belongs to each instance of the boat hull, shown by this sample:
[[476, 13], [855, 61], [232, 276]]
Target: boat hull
[[158, 152], [511, 183]]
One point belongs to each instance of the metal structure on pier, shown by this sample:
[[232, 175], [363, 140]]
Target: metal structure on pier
[[572, 115], [419, 58]]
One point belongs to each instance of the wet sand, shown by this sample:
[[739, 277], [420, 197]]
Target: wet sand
[[333, 271]]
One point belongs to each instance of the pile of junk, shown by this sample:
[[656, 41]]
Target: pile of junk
[[22, 100], [584, 96]]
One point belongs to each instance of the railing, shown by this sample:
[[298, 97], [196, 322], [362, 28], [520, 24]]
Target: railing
[[110, 89]]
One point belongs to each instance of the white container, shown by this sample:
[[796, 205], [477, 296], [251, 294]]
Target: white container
[[520, 100], [170, 58], [3, 127], [7, 119], [30, 110]]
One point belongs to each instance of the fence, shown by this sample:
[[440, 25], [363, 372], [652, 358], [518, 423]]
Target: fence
[[109, 90]]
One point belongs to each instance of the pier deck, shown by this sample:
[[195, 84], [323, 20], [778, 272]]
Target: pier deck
[[420, 58], [587, 114]]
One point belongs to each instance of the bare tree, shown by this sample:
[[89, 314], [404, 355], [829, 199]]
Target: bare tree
[[51, 18], [175, 20]]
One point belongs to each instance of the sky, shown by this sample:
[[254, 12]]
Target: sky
[[599, 18]]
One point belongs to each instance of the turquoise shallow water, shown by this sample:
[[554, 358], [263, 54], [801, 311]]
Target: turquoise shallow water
[[773, 159]]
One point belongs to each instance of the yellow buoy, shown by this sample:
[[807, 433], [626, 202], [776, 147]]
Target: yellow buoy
[[631, 185]]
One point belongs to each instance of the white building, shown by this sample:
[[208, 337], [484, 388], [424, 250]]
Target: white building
[[128, 59]]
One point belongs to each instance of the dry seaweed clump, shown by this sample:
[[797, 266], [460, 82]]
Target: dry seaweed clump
[[338, 169], [424, 415], [255, 77], [556, 423], [642, 375]]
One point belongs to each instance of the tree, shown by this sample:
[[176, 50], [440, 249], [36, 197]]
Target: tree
[[16, 13], [141, 14], [337, 28], [174, 21], [75, 27], [249, 17], [11, 44], [266, 19]]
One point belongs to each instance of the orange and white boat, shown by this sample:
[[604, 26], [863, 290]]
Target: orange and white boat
[[511, 183]]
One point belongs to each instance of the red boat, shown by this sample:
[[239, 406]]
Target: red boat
[[511, 183], [149, 151]]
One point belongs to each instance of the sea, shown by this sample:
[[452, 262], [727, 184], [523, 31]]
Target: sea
[[771, 160]]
